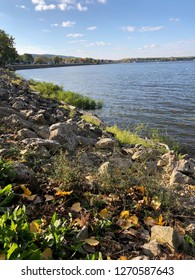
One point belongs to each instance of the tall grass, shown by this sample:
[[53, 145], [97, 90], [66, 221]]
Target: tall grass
[[50, 90]]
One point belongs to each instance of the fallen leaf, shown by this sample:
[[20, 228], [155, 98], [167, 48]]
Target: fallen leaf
[[76, 207], [48, 197], [124, 214], [103, 213], [122, 258], [127, 223], [155, 204], [160, 221], [140, 189], [91, 241], [149, 221], [34, 227], [63, 193], [25, 190], [47, 254]]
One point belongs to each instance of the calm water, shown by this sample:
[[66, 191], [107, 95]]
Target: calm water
[[157, 94]]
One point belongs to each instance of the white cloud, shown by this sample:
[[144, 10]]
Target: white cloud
[[102, 1], [128, 28], [174, 19], [151, 46], [150, 28], [74, 35], [91, 28], [81, 8], [21, 6], [54, 24], [100, 43], [68, 23]]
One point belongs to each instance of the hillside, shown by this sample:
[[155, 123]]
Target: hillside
[[69, 189]]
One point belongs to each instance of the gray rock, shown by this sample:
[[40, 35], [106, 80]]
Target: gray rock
[[38, 118], [22, 173], [151, 249], [104, 168], [105, 143], [50, 145], [43, 132], [178, 178], [25, 133], [167, 235], [64, 135]]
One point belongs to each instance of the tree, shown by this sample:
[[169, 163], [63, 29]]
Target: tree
[[27, 58], [56, 59], [8, 52], [41, 59]]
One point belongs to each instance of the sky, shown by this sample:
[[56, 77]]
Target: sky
[[101, 29]]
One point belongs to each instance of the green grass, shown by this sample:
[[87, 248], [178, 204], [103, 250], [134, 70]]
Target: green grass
[[50, 90], [127, 137], [91, 119]]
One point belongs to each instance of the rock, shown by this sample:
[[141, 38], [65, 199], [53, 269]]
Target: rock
[[22, 173], [187, 166], [86, 141], [3, 94], [38, 118], [105, 143], [151, 249], [25, 133], [178, 178], [167, 235], [19, 105], [104, 168], [43, 132], [64, 135], [50, 145], [190, 229]]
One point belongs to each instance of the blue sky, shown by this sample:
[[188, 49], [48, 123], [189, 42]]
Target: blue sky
[[111, 29]]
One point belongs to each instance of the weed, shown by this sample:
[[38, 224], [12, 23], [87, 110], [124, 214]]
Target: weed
[[91, 119]]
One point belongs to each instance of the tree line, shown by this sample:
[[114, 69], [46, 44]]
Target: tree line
[[9, 56]]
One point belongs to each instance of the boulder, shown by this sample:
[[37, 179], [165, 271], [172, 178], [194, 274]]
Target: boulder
[[105, 143], [22, 173], [25, 133], [167, 235], [50, 145], [38, 118], [104, 168], [151, 249], [178, 178], [64, 135]]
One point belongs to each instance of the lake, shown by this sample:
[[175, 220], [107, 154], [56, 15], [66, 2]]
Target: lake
[[157, 94]]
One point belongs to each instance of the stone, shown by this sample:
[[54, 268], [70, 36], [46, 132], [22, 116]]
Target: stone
[[105, 143], [151, 249], [86, 141], [25, 133], [64, 135], [104, 168], [19, 105], [50, 145], [22, 173], [190, 229], [178, 178], [167, 235], [38, 118], [43, 132]]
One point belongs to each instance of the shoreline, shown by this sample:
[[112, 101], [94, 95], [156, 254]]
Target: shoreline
[[39, 66]]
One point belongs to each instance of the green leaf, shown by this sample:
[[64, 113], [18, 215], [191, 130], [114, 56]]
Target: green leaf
[[13, 247]]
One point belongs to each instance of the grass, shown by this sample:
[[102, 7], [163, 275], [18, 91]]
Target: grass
[[91, 119], [50, 90]]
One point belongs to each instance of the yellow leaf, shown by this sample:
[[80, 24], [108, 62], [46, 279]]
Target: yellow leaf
[[149, 221], [103, 213], [133, 219], [63, 193], [127, 223], [34, 227], [140, 189], [122, 258], [91, 241], [124, 214], [108, 258], [155, 204], [160, 221], [25, 190], [76, 207], [2, 256], [48, 197], [29, 197], [47, 254]]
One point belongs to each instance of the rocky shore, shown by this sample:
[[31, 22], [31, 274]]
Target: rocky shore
[[153, 183]]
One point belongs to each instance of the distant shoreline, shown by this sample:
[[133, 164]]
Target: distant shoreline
[[39, 66]]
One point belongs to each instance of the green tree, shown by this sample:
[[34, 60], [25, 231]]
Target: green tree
[[8, 52], [56, 59], [41, 59], [27, 58]]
